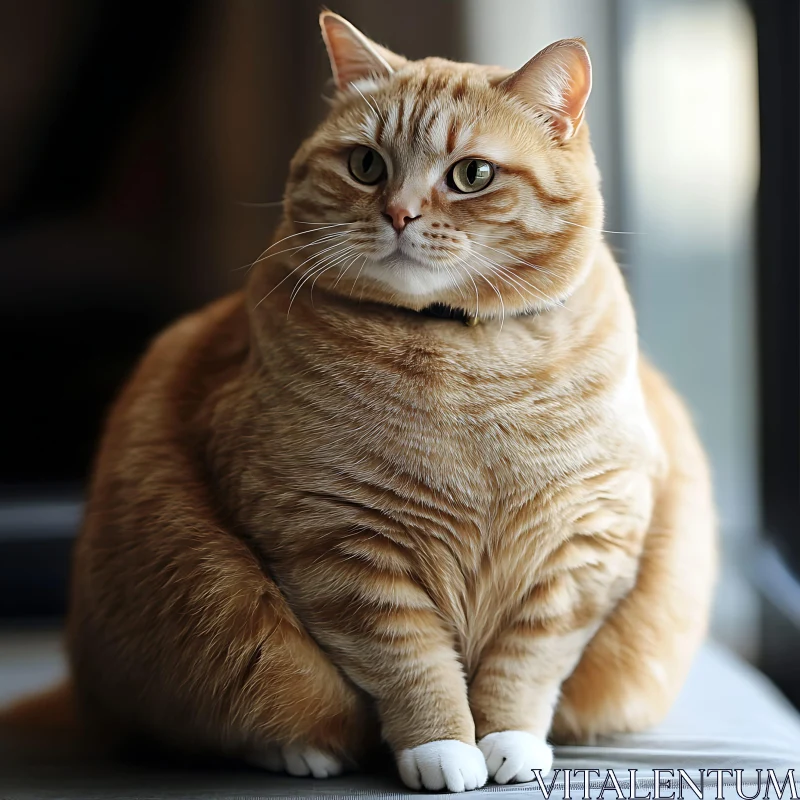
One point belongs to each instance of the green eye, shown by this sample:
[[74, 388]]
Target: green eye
[[366, 165], [470, 175]]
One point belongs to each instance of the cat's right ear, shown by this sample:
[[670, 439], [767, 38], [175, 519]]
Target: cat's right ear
[[353, 56], [556, 81]]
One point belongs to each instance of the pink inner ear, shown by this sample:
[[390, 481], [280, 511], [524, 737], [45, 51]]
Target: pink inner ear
[[559, 80], [579, 70], [351, 54]]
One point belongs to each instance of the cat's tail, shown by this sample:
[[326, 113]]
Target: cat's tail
[[49, 712], [47, 722]]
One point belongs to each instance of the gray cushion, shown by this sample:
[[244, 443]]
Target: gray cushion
[[728, 717]]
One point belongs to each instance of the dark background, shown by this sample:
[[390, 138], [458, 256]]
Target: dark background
[[134, 139]]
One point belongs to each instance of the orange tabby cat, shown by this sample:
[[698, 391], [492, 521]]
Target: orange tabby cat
[[316, 521]]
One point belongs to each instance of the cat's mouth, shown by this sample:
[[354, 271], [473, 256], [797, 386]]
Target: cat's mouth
[[409, 274], [400, 259]]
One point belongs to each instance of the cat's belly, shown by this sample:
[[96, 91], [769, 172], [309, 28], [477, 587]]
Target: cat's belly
[[550, 552], [482, 541]]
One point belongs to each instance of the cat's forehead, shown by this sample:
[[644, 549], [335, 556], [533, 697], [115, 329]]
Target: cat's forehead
[[428, 109], [432, 79]]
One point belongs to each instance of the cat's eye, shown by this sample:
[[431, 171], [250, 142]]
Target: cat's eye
[[470, 175], [366, 165]]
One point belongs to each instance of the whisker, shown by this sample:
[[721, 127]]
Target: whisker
[[497, 292], [521, 281], [504, 275], [472, 234], [546, 298], [289, 275], [455, 276], [324, 238], [517, 260], [303, 233], [329, 263], [494, 269], [331, 258], [600, 230], [303, 280], [342, 271], [468, 273], [263, 257], [363, 264], [516, 281], [500, 298], [341, 259]]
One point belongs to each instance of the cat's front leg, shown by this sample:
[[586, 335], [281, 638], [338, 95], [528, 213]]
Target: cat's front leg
[[515, 689], [384, 631]]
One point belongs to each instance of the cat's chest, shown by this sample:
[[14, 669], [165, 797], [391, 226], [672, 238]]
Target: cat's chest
[[488, 433], [461, 435], [502, 486]]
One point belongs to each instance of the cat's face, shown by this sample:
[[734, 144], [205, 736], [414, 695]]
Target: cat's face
[[437, 182]]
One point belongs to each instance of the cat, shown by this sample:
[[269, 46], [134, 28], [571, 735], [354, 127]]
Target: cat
[[328, 517]]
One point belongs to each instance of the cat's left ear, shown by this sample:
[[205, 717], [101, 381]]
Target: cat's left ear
[[556, 81], [353, 56]]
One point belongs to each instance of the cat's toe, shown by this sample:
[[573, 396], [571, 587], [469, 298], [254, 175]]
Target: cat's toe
[[298, 760], [303, 761], [449, 764], [514, 755]]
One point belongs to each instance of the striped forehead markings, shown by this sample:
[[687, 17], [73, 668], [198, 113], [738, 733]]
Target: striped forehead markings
[[432, 117], [401, 112], [459, 89], [452, 136], [420, 109]]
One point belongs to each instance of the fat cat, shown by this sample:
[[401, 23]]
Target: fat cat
[[414, 486]]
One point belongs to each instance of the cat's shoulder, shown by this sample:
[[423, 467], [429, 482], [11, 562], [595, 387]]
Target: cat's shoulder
[[188, 360], [218, 329]]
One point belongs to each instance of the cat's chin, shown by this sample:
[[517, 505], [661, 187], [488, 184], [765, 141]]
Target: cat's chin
[[409, 277]]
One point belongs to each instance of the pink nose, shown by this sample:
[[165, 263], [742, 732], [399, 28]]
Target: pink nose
[[399, 216]]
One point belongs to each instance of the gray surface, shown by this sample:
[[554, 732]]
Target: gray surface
[[728, 716]]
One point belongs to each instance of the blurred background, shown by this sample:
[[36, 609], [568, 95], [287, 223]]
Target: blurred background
[[143, 150]]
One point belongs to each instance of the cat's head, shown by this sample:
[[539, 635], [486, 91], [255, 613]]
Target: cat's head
[[438, 182]]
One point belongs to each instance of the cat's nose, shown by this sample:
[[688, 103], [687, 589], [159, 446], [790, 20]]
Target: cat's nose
[[400, 215]]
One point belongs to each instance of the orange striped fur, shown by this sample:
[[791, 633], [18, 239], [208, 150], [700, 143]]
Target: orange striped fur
[[322, 519]]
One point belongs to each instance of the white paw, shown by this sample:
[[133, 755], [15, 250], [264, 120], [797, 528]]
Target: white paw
[[298, 760], [436, 765], [513, 755]]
